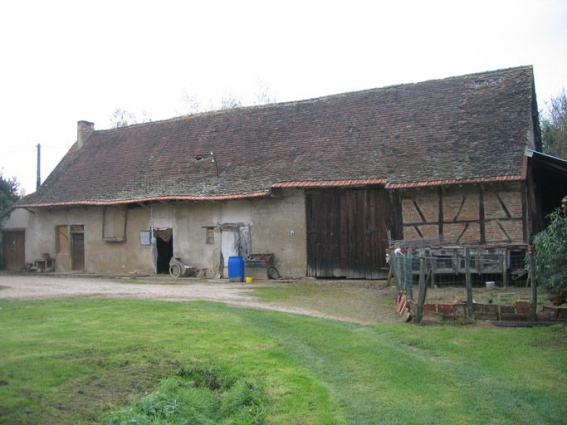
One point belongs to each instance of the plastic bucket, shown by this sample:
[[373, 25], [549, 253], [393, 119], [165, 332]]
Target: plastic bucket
[[235, 269]]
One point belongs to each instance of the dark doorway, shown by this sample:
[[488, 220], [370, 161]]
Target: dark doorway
[[14, 250], [348, 233], [78, 247], [164, 246]]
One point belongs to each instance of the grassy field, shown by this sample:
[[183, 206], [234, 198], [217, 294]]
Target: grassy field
[[73, 361]]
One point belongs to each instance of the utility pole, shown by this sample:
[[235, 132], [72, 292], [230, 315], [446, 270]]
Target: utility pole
[[38, 182]]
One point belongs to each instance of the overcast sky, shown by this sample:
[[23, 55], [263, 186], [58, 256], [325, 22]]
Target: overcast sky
[[65, 61]]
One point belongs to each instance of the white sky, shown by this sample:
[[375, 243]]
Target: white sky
[[65, 61]]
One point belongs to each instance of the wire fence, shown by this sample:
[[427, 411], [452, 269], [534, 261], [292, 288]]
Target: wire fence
[[464, 281]]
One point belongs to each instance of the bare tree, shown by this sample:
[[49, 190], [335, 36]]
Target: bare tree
[[121, 118], [263, 96], [554, 126], [146, 117], [229, 101], [191, 104]]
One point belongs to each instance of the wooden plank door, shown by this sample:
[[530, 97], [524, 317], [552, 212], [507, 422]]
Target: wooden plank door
[[14, 250], [324, 233], [367, 218], [347, 232], [78, 250]]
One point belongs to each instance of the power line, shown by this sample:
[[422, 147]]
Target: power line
[[17, 150], [35, 147]]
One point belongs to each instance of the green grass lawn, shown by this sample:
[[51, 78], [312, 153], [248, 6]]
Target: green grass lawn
[[362, 304], [73, 361]]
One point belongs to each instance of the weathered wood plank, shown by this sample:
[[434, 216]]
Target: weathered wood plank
[[347, 232]]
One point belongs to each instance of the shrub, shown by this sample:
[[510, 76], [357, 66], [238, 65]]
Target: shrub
[[551, 254]]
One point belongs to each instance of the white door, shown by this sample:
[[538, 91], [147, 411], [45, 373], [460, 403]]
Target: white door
[[230, 241]]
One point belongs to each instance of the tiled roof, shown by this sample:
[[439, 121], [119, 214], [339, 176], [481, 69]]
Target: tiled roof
[[459, 129]]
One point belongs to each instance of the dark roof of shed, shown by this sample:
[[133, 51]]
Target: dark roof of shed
[[460, 129]]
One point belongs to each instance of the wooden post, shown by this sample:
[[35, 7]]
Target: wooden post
[[505, 268], [395, 271], [422, 289], [531, 253], [409, 276], [400, 268], [428, 270], [468, 281]]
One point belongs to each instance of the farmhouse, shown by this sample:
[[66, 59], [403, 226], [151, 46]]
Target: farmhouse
[[325, 184]]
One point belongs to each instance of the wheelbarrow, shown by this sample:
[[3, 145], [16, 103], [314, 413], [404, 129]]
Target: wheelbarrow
[[177, 268]]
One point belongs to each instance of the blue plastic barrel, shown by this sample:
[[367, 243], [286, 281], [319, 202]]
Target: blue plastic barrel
[[235, 269]]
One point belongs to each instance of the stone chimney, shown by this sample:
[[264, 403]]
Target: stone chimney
[[84, 130]]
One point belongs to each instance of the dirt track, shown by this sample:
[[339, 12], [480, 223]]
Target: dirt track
[[31, 287]]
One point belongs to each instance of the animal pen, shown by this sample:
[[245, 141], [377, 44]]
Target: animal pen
[[481, 282]]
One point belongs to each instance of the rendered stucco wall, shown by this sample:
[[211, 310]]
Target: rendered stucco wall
[[277, 225], [280, 227], [100, 256], [17, 219]]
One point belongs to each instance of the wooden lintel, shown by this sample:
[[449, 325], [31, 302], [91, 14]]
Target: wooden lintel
[[486, 220]]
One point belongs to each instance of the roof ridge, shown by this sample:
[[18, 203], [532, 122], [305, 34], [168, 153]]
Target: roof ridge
[[316, 99]]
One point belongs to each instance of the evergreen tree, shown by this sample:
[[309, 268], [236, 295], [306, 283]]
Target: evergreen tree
[[8, 193]]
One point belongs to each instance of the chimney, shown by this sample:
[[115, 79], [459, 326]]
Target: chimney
[[84, 130]]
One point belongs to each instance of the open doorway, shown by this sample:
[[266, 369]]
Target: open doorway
[[235, 241], [164, 248]]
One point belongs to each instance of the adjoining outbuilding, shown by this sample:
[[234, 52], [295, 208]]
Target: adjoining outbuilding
[[325, 184]]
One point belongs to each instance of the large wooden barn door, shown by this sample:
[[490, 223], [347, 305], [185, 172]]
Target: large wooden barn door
[[323, 234], [347, 233]]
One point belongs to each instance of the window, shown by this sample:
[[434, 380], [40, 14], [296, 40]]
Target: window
[[210, 235], [114, 224]]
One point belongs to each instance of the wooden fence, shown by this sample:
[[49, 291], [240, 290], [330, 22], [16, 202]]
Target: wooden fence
[[406, 266]]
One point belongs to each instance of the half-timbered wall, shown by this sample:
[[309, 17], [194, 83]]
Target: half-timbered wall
[[489, 213]]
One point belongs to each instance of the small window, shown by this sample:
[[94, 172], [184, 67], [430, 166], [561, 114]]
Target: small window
[[210, 235], [145, 238]]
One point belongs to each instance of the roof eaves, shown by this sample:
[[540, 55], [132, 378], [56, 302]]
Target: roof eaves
[[328, 183], [493, 179], [260, 194]]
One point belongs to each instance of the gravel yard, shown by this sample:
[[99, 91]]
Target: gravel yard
[[30, 287]]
